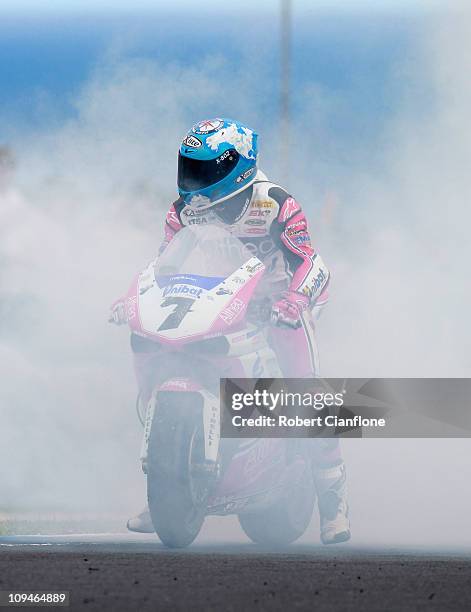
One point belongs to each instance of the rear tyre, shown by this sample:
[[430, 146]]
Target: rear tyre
[[177, 477], [288, 519]]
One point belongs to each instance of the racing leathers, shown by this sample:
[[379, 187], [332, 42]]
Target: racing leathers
[[274, 228]]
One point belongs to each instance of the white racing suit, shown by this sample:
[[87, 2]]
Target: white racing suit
[[273, 227]]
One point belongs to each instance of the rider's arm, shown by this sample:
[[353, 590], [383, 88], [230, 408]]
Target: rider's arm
[[172, 225], [309, 275]]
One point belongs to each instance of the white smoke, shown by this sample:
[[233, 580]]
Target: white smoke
[[401, 295], [85, 212], [403, 229]]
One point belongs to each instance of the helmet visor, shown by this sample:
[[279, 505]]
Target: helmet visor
[[196, 174]]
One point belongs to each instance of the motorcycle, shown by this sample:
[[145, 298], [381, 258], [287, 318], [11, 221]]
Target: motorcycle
[[197, 309]]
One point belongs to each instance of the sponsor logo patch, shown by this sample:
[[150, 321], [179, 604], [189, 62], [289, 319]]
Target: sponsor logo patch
[[191, 212], [208, 126], [295, 232], [131, 307], [255, 222], [223, 157], [197, 221], [224, 291], [192, 141], [296, 227], [259, 213], [256, 230], [252, 268], [245, 175], [178, 383], [234, 309], [187, 290], [263, 204], [288, 209], [172, 218], [318, 281]]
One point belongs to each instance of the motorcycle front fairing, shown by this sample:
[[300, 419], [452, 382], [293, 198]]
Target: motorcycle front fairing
[[200, 287]]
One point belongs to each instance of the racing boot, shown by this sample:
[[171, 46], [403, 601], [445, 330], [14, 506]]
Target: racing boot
[[141, 523], [331, 490]]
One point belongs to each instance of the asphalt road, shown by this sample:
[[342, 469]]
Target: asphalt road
[[125, 574]]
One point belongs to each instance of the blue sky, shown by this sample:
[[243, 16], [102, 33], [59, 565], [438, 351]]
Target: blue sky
[[47, 55], [210, 5], [55, 52]]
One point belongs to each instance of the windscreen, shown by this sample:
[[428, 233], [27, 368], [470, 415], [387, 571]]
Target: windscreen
[[203, 250]]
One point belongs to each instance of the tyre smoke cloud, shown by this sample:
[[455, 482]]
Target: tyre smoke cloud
[[83, 212], [397, 243]]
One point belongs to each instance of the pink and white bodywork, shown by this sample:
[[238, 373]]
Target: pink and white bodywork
[[211, 311], [172, 307]]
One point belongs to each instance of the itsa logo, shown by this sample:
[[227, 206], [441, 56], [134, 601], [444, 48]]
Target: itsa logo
[[197, 221], [186, 290]]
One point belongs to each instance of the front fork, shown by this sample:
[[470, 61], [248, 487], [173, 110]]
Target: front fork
[[211, 420], [250, 357]]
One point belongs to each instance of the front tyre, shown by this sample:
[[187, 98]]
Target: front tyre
[[177, 477]]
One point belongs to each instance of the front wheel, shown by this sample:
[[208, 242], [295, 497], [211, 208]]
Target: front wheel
[[287, 520], [177, 474]]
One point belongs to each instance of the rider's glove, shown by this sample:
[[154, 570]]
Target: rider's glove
[[118, 313], [288, 310]]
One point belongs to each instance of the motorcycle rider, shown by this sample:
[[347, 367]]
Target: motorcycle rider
[[219, 182]]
